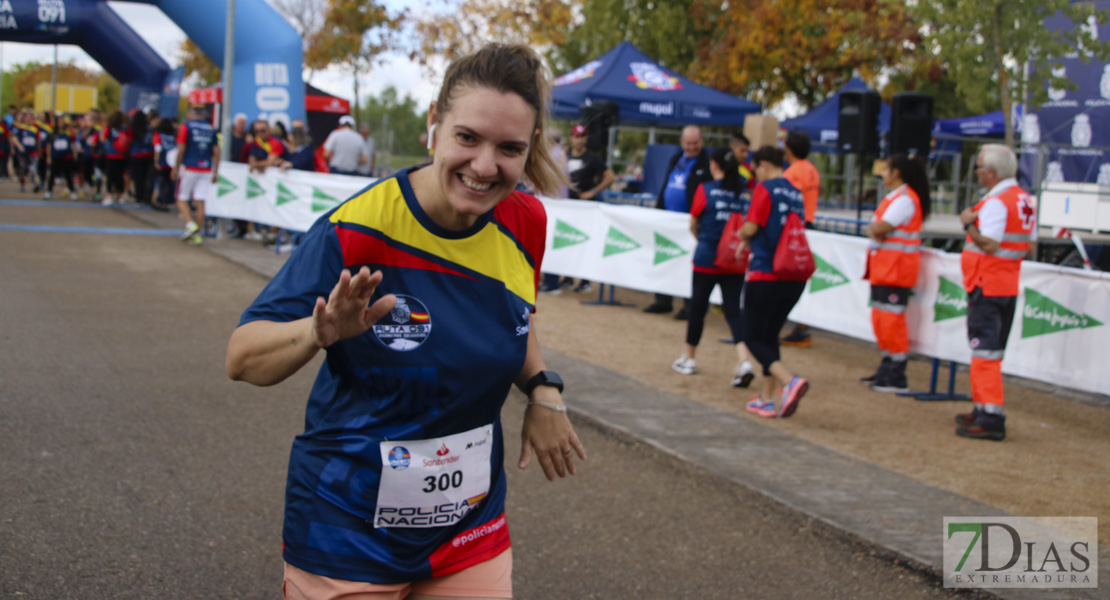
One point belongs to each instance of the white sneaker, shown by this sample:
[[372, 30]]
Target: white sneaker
[[46, 195], [253, 236], [191, 229], [107, 201], [744, 375], [686, 366]]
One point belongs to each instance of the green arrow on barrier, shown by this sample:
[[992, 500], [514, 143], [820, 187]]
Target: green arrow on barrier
[[951, 301], [666, 250], [565, 235], [322, 201], [224, 186], [617, 242], [253, 189], [1042, 315], [285, 195], [826, 276]]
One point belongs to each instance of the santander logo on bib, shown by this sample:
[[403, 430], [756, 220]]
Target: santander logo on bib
[[443, 450]]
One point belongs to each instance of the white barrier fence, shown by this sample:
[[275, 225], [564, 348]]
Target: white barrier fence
[[1058, 334], [287, 199]]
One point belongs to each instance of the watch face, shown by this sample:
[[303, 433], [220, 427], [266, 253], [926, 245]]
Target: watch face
[[546, 378], [552, 378]]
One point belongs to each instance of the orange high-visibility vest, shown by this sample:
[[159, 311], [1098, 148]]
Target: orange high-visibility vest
[[898, 258], [998, 273]]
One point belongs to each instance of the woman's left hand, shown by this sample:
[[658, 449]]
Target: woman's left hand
[[550, 435]]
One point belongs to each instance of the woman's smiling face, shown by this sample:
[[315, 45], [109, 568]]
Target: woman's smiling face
[[481, 147]]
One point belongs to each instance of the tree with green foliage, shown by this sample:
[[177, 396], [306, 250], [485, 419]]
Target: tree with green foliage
[[986, 45], [20, 81], [197, 64], [395, 122], [666, 30], [354, 34]]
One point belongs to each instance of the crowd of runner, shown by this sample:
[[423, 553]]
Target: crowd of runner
[[111, 157]]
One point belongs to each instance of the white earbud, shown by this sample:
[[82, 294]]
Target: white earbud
[[431, 135]]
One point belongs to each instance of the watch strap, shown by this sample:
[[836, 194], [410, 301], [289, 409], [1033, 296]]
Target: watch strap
[[548, 378]]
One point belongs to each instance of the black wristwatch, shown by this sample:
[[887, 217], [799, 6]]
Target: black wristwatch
[[548, 378], [969, 225]]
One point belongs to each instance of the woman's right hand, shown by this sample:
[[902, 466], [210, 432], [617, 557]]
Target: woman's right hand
[[346, 313]]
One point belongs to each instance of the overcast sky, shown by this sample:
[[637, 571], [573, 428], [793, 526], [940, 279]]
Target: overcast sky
[[165, 37]]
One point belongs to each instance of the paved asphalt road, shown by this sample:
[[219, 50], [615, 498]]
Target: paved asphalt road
[[131, 467]]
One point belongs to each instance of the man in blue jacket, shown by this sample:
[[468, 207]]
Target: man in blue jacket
[[686, 171]]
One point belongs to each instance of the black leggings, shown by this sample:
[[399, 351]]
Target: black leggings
[[113, 172], [87, 169], [731, 286], [766, 305], [142, 167], [41, 168], [63, 167]]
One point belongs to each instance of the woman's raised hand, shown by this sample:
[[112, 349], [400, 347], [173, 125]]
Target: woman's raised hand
[[347, 313]]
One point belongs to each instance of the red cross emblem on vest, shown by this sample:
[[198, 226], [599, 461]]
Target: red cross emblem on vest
[[1026, 211]]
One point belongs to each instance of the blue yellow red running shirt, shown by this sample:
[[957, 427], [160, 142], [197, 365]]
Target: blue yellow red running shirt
[[28, 139], [61, 144], [712, 206], [197, 138], [261, 150], [772, 200], [398, 475]]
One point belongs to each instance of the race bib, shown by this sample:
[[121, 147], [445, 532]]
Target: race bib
[[433, 483], [61, 144]]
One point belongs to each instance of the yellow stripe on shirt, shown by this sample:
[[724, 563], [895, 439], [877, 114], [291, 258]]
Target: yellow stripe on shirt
[[489, 252]]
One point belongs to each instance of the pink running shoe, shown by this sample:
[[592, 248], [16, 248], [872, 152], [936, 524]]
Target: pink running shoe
[[765, 409], [792, 395]]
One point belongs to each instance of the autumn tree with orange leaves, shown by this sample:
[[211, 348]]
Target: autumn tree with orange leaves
[[767, 49], [461, 27]]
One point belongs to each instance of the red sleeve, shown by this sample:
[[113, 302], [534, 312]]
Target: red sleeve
[[760, 208], [699, 201], [182, 134], [245, 153], [523, 215]]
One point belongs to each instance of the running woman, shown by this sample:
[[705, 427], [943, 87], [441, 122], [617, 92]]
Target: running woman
[[420, 290]]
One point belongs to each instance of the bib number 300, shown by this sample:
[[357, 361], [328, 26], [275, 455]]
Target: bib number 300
[[434, 482], [444, 482]]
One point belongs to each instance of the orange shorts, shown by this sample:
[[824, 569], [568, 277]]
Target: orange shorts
[[491, 579]]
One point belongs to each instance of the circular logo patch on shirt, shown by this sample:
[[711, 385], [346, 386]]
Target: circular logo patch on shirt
[[406, 326], [399, 458]]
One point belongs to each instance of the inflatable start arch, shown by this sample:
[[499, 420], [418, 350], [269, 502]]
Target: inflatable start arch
[[266, 75]]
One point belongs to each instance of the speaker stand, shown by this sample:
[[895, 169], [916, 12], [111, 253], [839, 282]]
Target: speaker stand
[[859, 198]]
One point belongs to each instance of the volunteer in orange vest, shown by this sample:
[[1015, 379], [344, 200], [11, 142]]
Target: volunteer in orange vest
[[893, 262], [1001, 230], [803, 175]]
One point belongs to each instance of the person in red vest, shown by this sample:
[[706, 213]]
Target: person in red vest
[[893, 262], [1001, 230]]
